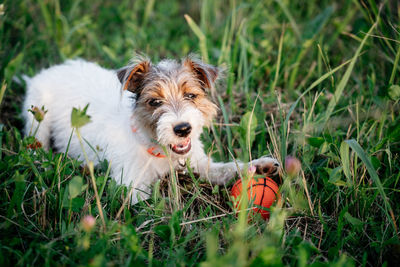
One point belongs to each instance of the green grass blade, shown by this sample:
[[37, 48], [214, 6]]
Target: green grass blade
[[46, 15], [343, 82], [293, 23], [226, 120], [293, 106], [202, 38], [2, 91], [278, 62], [147, 12], [374, 176], [313, 29], [345, 159], [395, 65]]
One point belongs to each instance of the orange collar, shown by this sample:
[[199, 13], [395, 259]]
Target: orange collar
[[151, 149]]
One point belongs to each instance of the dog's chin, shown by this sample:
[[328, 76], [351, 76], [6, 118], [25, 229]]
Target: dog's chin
[[182, 148]]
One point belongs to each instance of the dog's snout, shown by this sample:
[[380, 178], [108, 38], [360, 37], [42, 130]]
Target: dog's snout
[[182, 129]]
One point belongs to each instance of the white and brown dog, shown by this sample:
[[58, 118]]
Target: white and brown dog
[[153, 123]]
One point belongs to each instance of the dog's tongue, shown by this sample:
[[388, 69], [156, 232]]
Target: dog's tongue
[[183, 144], [182, 147]]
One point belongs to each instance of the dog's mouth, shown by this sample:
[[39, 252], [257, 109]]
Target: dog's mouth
[[182, 147]]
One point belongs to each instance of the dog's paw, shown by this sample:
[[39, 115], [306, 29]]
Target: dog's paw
[[266, 166]]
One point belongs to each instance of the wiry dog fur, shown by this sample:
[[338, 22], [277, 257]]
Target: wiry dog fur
[[137, 108]]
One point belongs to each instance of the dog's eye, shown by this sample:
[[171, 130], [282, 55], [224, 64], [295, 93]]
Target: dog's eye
[[155, 102], [190, 96]]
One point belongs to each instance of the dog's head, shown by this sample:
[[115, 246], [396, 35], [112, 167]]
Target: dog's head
[[172, 102]]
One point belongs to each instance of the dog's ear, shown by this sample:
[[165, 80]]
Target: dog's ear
[[205, 73], [132, 77]]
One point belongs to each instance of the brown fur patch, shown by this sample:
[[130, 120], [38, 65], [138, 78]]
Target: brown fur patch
[[205, 73], [132, 78]]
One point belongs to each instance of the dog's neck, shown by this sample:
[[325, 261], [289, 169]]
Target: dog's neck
[[152, 146]]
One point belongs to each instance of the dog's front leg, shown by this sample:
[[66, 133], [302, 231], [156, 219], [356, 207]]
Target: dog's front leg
[[221, 173]]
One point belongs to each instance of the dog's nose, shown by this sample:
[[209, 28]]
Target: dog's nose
[[182, 129]]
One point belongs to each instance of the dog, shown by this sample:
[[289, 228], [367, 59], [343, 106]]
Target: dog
[[145, 118]]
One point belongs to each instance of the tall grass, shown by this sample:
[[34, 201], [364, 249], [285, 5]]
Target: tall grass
[[312, 79]]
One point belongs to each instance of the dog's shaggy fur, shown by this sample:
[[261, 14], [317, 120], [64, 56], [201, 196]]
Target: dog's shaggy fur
[[145, 118]]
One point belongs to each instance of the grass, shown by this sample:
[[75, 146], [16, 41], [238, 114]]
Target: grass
[[312, 79]]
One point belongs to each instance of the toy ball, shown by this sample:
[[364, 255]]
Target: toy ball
[[262, 191]]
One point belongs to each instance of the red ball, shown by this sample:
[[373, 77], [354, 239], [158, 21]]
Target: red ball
[[264, 192]]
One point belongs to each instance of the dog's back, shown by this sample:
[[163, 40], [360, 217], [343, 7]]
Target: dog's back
[[75, 83]]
